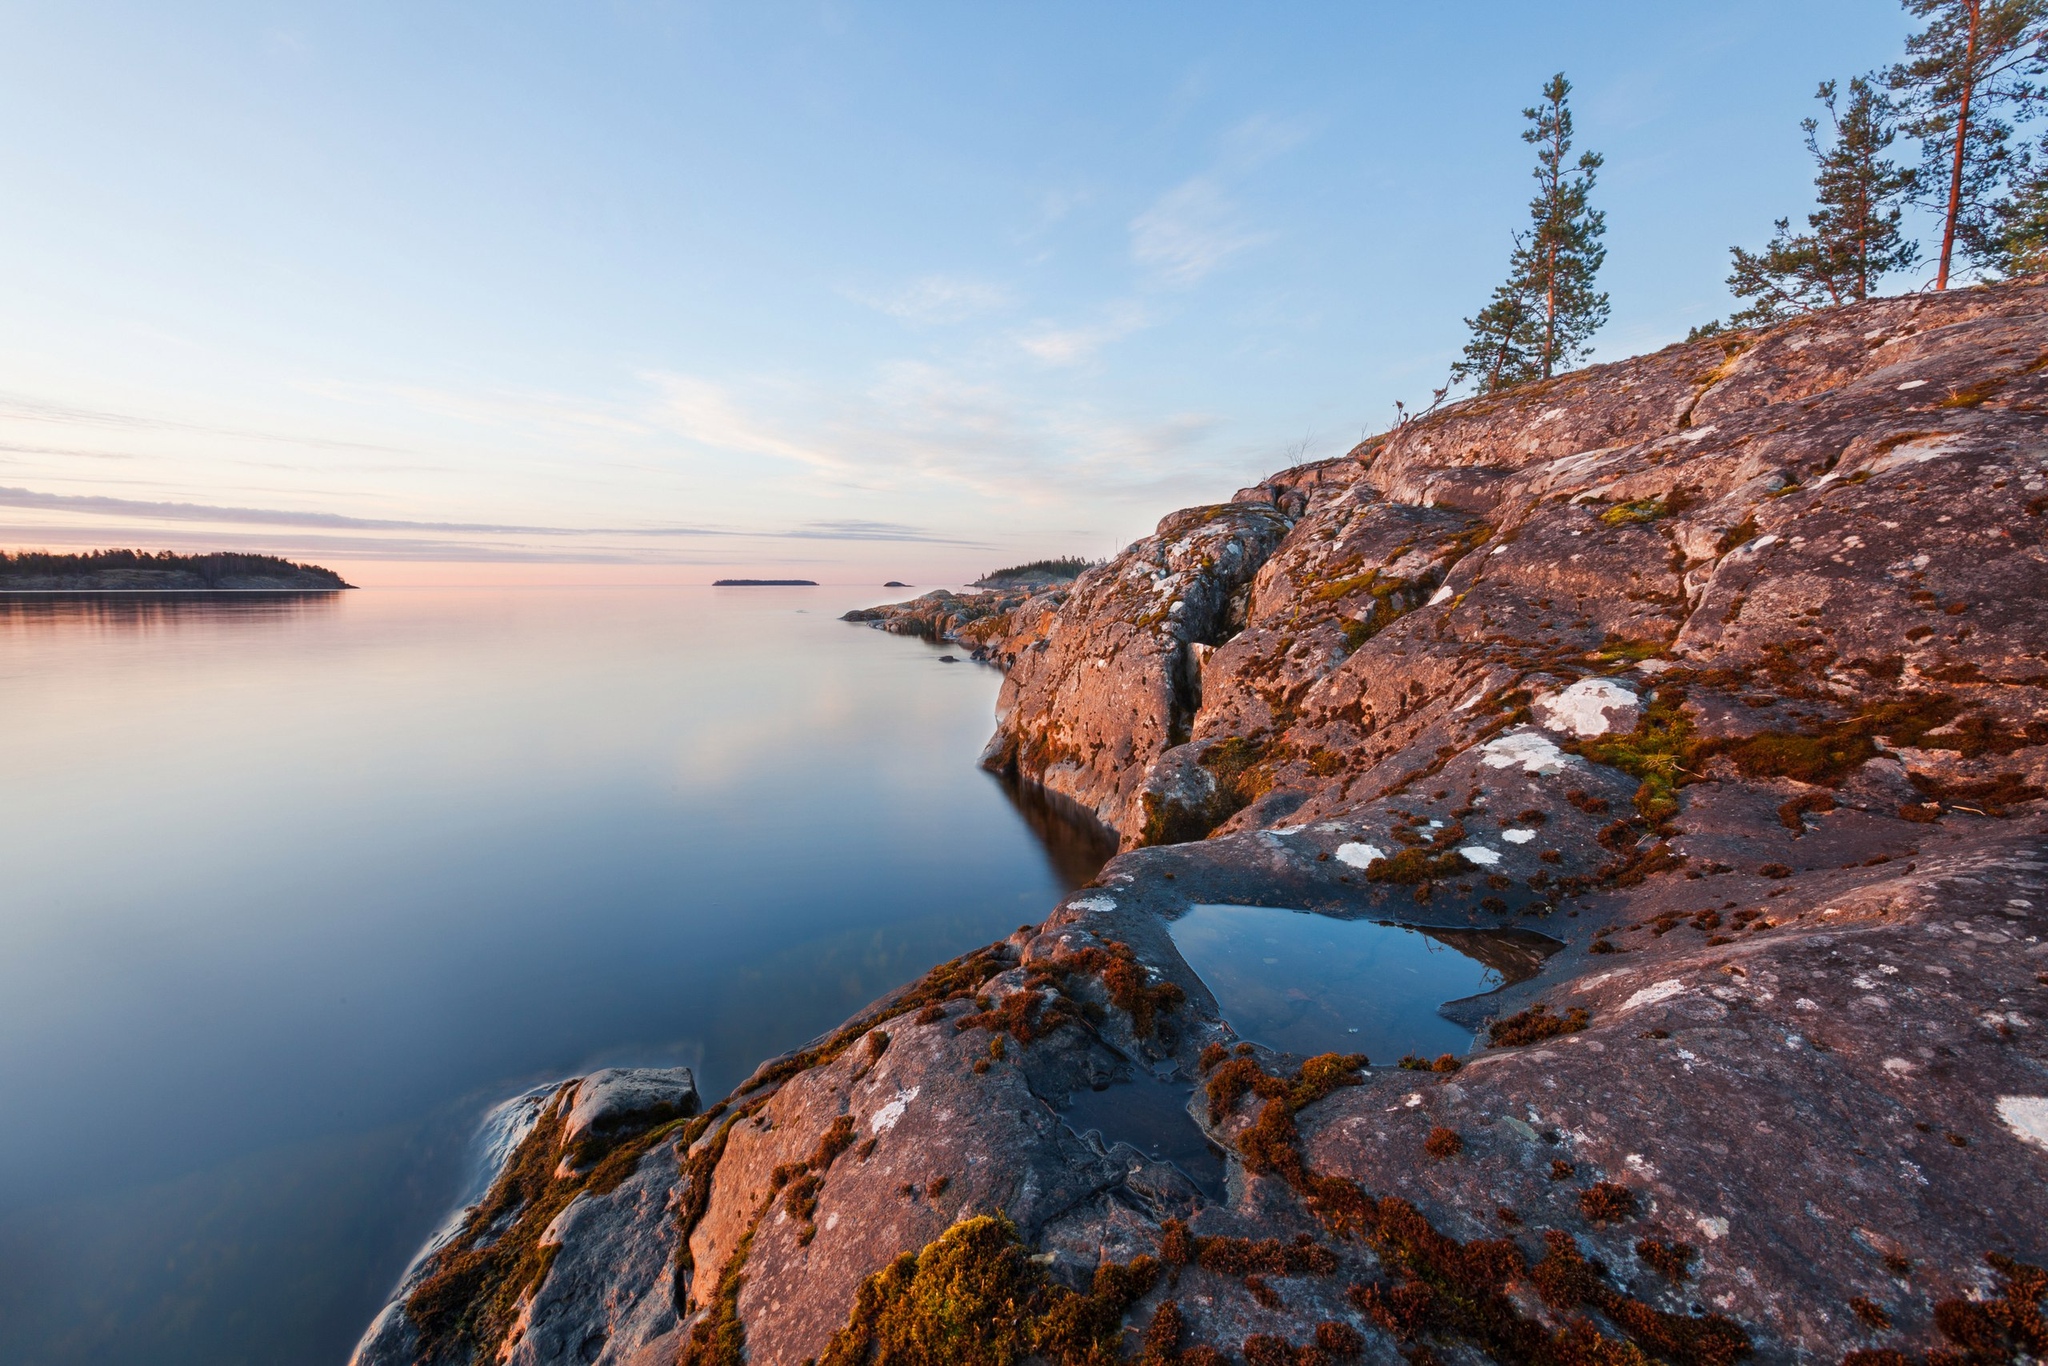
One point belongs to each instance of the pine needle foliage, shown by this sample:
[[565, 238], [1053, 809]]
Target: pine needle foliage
[[1853, 238], [1967, 75], [1541, 319]]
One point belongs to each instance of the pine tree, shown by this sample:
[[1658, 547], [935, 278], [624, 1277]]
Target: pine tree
[[1502, 350], [1972, 64], [1564, 251], [2014, 238], [1854, 239], [1540, 320]]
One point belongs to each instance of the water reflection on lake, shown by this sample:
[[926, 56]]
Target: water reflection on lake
[[296, 886], [1309, 984]]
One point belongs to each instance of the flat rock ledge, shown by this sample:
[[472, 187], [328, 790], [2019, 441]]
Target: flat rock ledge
[[1723, 668]]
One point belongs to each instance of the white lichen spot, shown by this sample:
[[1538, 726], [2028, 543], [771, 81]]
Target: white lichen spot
[[1518, 836], [1529, 750], [1655, 992], [1913, 453], [1480, 854], [1358, 855], [2027, 1117], [1696, 433], [1591, 706], [1898, 1067], [1711, 1227], [1414, 1099], [1093, 903], [1443, 594], [885, 1118], [1637, 1162]]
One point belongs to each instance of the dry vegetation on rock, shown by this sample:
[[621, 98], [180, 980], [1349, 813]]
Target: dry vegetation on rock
[[1724, 668]]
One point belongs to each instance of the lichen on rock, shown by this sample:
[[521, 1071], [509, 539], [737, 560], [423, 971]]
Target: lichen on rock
[[1717, 672]]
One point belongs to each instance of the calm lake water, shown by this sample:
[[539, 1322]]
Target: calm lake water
[[295, 888]]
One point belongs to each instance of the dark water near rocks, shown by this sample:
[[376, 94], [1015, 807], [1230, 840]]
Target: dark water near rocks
[[1152, 1116], [1306, 983], [294, 888]]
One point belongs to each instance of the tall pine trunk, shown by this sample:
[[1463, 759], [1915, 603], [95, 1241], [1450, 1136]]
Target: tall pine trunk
[[1550, 259], [1955, 177]]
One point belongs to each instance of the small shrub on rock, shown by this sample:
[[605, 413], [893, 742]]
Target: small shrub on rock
[[1534, 1025]]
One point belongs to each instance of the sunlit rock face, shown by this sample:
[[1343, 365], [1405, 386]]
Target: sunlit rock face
[[1717, 674]]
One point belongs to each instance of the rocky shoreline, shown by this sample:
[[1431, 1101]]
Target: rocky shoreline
[[1721, 668]]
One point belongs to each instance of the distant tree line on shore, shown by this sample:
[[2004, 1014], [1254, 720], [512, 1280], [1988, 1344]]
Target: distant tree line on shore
[[1066, 567], [1969, 90], [158, 569]]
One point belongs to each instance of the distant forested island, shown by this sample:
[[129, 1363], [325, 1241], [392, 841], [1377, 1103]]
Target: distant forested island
[[764, 583], [1036, 574], [164, 571]]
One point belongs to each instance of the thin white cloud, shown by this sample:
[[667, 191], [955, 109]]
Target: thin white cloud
[[1057, 345], [933, 300], [1189, 232], [17, 408], [921, 424], [133, 509], [1260, 138], [703, 412]]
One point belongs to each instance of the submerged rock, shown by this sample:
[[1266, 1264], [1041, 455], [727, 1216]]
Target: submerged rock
[[1721, 667]]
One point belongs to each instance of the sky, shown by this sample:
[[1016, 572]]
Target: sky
[[643, 292]]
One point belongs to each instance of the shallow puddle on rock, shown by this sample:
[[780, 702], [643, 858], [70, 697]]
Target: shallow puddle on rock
[[1307, 983], [1152, 1116]]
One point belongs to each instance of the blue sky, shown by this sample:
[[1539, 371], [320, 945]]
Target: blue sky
[[654, 292]]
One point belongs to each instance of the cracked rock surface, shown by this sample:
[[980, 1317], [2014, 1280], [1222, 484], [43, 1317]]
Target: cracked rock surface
[[1724, 669]]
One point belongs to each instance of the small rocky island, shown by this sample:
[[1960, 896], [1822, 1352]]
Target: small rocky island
[[1718, 670], [974, 618], [129, 571]]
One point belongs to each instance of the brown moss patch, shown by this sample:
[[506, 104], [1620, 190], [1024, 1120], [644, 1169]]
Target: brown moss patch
[[468, 1300], [1534, 1025], [1994, 796], [1608, 1202], [2004, 1328], [1671, 1260], [972, 1296]]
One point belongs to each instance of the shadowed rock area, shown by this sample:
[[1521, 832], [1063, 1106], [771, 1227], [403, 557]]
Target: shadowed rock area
[[1723, 667]]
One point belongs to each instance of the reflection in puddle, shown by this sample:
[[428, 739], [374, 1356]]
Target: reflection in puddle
[[1152, 1116], [1308, 984]]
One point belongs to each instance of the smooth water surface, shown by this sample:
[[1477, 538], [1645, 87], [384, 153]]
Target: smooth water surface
[[1152, 1116], [295, 887], [1308, 984]]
